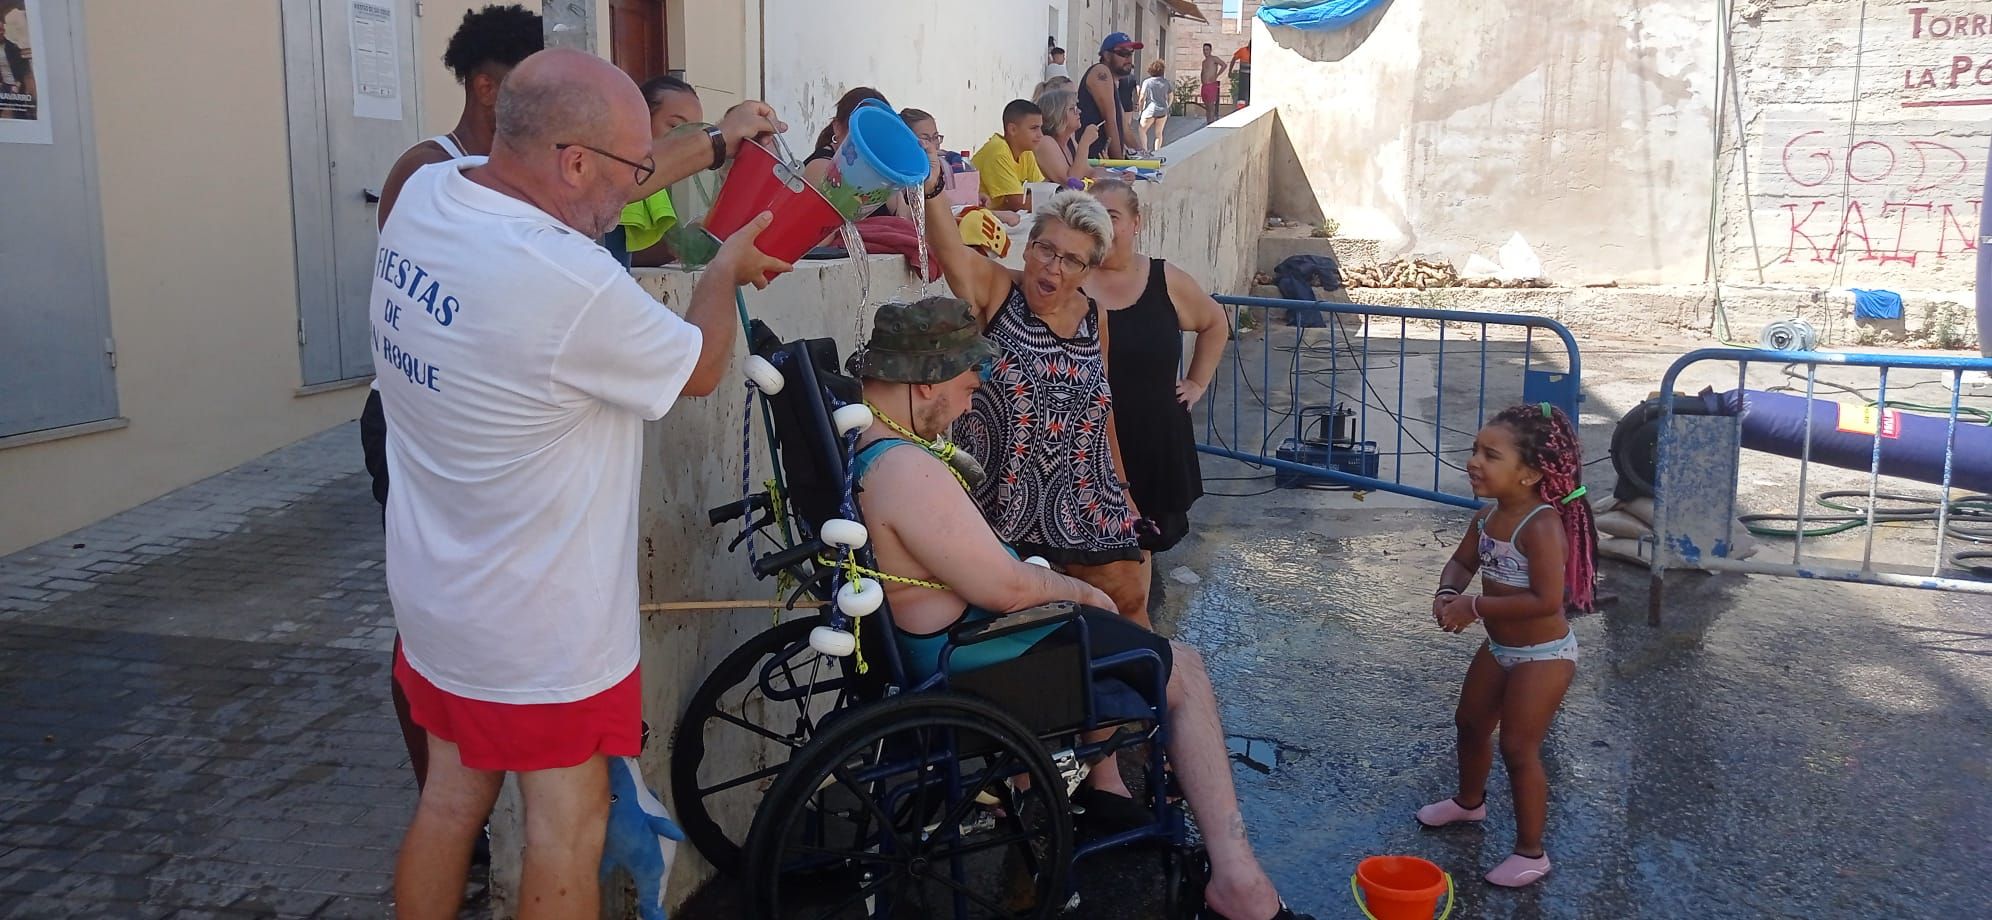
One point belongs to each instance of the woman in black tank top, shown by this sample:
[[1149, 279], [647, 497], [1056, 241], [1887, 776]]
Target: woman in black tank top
[[1149, 305]]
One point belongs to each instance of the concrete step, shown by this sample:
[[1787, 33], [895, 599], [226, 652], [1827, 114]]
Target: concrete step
[[1276, 245]]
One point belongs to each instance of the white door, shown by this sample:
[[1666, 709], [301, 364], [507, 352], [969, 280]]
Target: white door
[[349, 76]]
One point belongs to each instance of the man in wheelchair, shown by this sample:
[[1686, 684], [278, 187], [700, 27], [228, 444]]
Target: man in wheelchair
[[918, 370]]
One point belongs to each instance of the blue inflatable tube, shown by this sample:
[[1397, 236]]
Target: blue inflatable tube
[[1843, 435]]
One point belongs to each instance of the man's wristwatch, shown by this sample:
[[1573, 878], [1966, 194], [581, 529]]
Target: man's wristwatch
[[718, 146]]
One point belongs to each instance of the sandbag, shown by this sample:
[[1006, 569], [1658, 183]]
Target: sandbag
[[1622, 549], [1621, 524]]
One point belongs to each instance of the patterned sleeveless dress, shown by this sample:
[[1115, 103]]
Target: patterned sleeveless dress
[[1039, 426]]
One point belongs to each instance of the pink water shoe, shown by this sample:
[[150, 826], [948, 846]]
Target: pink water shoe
[[1447, 811], [1518, 871]]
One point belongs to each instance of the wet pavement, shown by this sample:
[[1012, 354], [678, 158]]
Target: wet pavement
[[196, 718], [1777, 748], [195, 699]]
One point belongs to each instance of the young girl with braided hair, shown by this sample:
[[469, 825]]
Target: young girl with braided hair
[[1534, 550]]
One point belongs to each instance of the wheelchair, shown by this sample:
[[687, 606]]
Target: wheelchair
[[871, 794]]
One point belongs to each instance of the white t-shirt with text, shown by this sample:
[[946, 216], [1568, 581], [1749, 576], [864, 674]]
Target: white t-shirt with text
[[517, 361]]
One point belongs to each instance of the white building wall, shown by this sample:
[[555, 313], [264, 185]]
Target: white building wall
[[1443, 128], [1853, 140], [960, 61], [1864, 143]]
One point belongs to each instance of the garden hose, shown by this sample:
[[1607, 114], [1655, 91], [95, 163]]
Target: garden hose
[[1968, 518]]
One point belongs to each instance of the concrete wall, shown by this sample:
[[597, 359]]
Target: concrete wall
[[717, 42], [1446, 128], [1208, 214], [1863, 143], [200, 261], [962, 62]]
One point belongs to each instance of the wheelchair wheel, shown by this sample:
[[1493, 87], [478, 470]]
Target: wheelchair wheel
[[767, 698], [887, 814]]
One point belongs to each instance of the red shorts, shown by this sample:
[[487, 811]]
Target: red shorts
[[522, 738], [1210, 93]]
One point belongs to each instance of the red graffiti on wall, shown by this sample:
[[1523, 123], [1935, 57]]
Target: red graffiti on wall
[[1888, 180]]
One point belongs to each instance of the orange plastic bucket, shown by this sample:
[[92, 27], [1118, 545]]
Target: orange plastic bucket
[[1400, 888]]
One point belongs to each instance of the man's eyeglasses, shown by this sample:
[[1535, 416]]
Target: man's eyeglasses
[[1122, 52], [1048, 255], [644, 170]]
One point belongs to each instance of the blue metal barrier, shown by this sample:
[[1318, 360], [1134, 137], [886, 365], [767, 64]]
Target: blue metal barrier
[[1695, 519], [1327, 354]]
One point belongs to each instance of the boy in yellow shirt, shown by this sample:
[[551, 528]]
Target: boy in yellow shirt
[[1006, 162]]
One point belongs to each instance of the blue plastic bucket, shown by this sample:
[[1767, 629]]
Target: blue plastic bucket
[[879, 154]]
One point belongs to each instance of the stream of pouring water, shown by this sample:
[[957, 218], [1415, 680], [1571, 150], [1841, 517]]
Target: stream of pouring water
[[854, 245]]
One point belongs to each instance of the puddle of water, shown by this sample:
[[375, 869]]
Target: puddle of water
[[1261, 754]]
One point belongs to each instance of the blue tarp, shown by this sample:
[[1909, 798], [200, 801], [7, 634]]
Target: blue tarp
[[1316, 15]]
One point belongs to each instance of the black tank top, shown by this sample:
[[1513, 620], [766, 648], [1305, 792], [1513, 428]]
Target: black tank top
[[1089, 113], [1157, 436]]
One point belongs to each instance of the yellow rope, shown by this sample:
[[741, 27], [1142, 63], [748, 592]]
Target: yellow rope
[[852, 567], [945, 450]]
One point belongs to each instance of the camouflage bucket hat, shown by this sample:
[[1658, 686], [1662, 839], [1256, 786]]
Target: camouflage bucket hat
[[927, 341]]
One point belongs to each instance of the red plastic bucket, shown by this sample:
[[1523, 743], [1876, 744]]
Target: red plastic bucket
[[759, 181], [1401, 888]]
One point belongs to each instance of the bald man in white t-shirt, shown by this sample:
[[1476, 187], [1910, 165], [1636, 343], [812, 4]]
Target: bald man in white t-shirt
[[519, 362]]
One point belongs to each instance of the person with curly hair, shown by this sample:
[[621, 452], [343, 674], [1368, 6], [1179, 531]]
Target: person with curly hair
[[1528, 461], [487, 45]]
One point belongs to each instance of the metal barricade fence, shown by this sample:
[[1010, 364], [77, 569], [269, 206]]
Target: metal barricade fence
[[1848, 445], [1331, 393]]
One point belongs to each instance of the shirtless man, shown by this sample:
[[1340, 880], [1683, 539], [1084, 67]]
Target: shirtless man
[[923, 363], [1213, 67]]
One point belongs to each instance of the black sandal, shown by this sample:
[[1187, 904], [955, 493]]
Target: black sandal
[[1100, 813]]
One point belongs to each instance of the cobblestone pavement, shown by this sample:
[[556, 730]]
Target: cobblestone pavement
[[196, 709]]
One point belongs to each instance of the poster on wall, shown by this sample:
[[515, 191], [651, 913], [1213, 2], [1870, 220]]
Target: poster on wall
[[376, 61], [24, 113]]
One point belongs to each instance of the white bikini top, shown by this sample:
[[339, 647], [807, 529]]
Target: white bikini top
[[1501, 561]]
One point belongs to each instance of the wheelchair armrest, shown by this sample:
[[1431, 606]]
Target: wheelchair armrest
[[759, 501], [782, 559], [996, 627]]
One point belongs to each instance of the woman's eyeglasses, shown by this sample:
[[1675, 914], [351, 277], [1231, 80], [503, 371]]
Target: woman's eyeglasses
[[1048, 255]]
